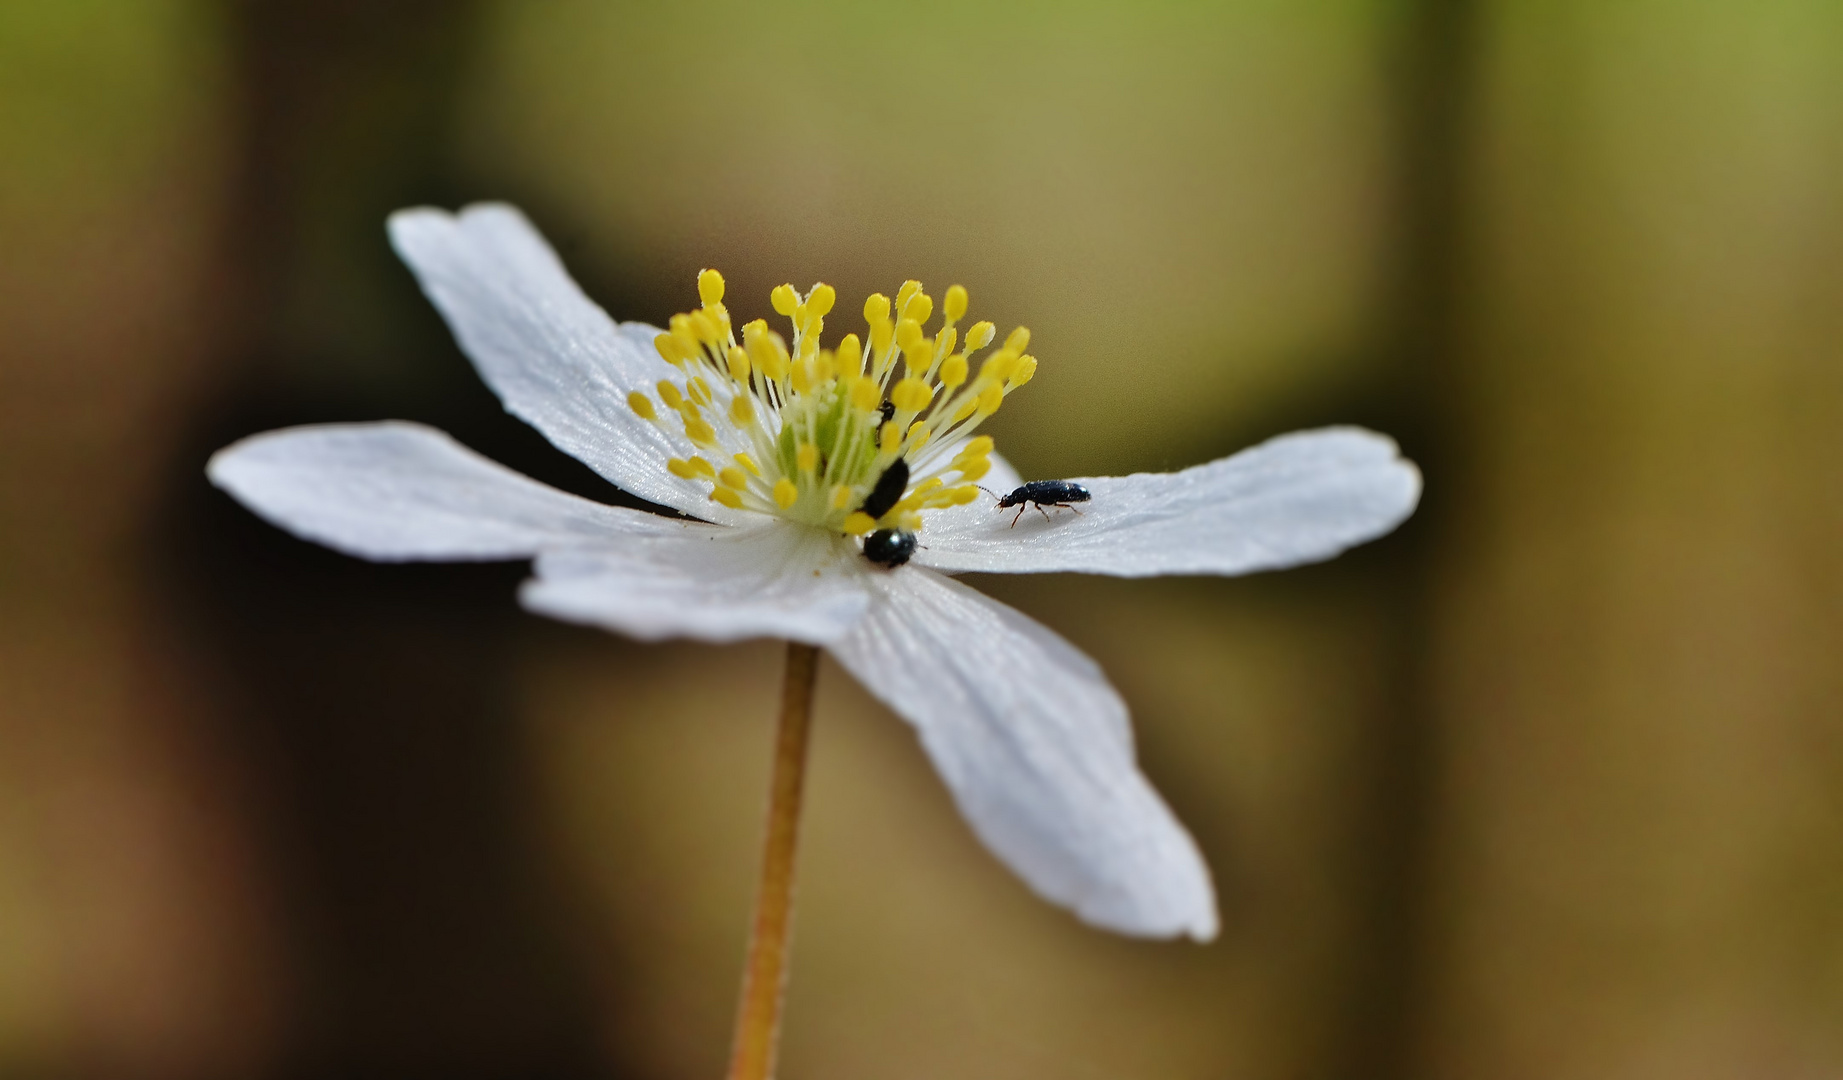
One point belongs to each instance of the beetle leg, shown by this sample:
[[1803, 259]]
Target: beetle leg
[[1020, 513], [1042, 511]]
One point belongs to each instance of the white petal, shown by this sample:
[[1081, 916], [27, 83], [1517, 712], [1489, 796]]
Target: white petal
[[779, 580], [555, 359], [1294, 499], [397, 490], [1037, 750], [953, 520]]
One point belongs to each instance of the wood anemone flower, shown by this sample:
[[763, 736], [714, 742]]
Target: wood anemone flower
[[786, 457]]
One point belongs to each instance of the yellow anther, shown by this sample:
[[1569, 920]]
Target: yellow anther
[[732, 477], [748, 463], [963, 494], [1018, 340], [890, 440], [857, 523], [909, 289], [880, 333], [876, 309], [991, 398], [785, 493], [727, 498], [819, 302], [974, 469], [702, 468], [681, 469], [670, 395], [909, 522], [807, 457], [842, 495], [919, 434], [980, 336], [953, 307], [953, 370], [866, 395], [944, 341], [705, 328], [784, 299], [851, 356], [919, 307], [698, 390], [908, 335], [911, 503], [739, 364], [999, 366], [670, 349], [965, 410], [699, 431], [977, 446], [1026, 367], [710, 286], [742, 410], [824, 367], [766, 350], [802, 375], [928, 485], [642, 404], [911, 395]]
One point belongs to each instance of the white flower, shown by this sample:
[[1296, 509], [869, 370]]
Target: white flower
[[776, 449]]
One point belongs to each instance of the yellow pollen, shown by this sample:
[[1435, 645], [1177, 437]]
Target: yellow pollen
[[710, 286], [953, 306], [804, 430], [850, 356], [911, 395]]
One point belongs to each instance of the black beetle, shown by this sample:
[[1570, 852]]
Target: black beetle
[[1041, 493], [889, 489], [887, 547]]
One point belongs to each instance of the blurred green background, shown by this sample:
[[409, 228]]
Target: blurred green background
[[1549, 784]]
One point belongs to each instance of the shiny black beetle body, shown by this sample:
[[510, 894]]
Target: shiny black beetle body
[[1042, 493], [887, 547], [889, 489]]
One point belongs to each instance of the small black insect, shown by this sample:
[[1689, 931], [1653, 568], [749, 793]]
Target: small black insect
[[887, 547], [887, 410], [889, 489], [1042, 493]]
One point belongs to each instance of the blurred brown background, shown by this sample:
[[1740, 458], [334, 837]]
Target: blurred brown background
[[1549, 784]]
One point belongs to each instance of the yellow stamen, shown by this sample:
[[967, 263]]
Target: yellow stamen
[[807, 457], [748, 463], [784, 299], [786, 493], [727, 498], [742, 411], [732, 477], [642, 405], [739, 364], [710, 286], [842, 496], [911, 395], [670, 395], [857, 523], [953, 307]]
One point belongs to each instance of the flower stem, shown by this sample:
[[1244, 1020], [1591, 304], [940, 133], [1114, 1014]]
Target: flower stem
[[758, 1018]]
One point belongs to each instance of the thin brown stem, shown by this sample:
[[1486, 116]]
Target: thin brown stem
[[758, 1017]]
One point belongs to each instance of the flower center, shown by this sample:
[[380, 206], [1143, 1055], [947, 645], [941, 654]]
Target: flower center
[[849, 439]]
